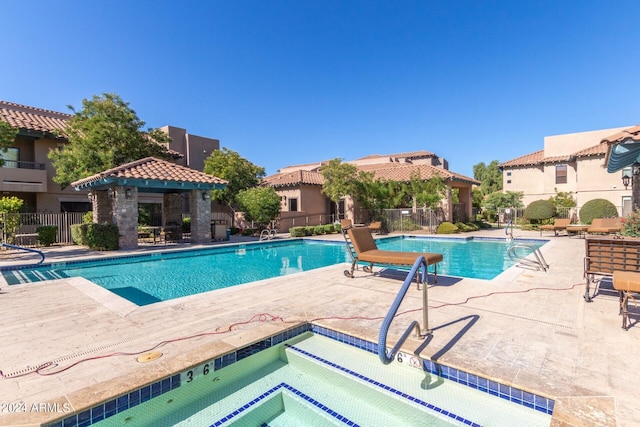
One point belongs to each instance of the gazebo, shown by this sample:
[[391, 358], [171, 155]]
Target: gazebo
[[114, 195]]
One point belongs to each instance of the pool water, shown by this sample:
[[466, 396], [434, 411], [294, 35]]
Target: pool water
[[146, 279], [312, 380], [474, 258]]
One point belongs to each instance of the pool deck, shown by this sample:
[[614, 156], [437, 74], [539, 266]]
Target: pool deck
[[525, 328]]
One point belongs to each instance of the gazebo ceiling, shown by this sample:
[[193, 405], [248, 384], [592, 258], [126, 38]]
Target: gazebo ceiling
[[623, 149], [151, 175]]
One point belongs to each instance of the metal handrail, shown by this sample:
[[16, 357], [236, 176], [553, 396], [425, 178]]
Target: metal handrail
[[385, 357], [26, 249], [539, 264]]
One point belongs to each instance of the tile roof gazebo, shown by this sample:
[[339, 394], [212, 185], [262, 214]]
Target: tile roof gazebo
[[114, 194]]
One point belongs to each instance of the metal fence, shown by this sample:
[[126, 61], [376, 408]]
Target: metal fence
[[21, 227], [406, 220]]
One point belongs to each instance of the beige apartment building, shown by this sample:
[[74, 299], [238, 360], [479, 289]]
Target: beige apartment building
[[28, 173], [569, 163], [303, 203]]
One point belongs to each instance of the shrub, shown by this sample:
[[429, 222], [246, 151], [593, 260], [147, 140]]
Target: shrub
[[248, 232], [466, 227], [308, 230], [87, 218], [234, 230], [103, 237], [297, 231], [597, 208], [78, 232], [47, 234], [318, 229], [100, 237], [447, 228], [539, 210], [337, 227], [328, 229], [186, 225], [631, 225]]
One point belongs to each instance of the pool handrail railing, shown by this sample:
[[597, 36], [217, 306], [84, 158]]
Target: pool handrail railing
[[387, 357], [22, 248]]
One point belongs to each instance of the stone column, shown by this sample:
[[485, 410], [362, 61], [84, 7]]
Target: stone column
[[172, 212], [125, 215], [102, 207], [200, 208]]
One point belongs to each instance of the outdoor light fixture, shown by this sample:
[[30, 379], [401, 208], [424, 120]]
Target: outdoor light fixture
[[127, 193], [205, 195], [635, 171]]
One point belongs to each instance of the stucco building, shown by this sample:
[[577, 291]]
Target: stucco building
[[569, 163], [303, 203]]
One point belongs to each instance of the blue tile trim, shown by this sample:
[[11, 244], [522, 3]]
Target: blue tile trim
[[143, 394], [385, 387], [299, 394], [513, 394]]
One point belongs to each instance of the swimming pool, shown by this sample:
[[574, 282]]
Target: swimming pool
[[311, 375], [149, 278]]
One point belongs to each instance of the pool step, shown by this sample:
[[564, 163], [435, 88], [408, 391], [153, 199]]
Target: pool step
[[16, 277]]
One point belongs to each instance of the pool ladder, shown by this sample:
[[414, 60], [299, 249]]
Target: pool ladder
[[267, 234], [387, 357], [537, 262]]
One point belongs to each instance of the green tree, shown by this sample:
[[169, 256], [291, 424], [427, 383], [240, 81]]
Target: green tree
[[104, 134], [239, 173], [9, 211], [490, 177], [498, 199], [563, 199], [260, 204], [427, 193], [339, 181], [8, 135]]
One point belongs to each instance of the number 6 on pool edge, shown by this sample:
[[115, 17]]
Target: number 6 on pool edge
[[399, 358], [205, 369]]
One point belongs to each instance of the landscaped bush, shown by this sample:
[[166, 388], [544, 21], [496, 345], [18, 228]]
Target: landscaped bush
[[297, 231], [234, 230], [99, 237], [47, 234], [328, 229], [539, 210], [447, 228], [337, 227], [308, 230], [597, 208], [466, 227], [318, 229], [248, 231]]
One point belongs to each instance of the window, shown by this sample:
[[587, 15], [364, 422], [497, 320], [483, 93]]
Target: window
[[293, 205], [11, 158], [561, 174], [508, 181], [509, 173]]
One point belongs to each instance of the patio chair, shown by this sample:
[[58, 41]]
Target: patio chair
[[558, 225], [375, 226], [605, 225], [364, 249]]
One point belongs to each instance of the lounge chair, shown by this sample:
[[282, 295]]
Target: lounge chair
[[558, 225], [375, 226], [366, 250], [605, 226], [345, 224]]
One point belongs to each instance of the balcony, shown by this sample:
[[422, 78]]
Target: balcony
[[20, 176]]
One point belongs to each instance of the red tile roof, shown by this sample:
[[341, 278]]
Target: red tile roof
[[410, 154], [289, 179], [403, 172], [627, 135], [526, 160], [151, 169], [31, 118]]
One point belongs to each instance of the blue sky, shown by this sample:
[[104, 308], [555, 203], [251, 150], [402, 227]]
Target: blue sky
[[289, 82]]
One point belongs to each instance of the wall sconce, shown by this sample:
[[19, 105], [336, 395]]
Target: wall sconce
[[635, 171], [206, 195], [127, 193], [111, 193]]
